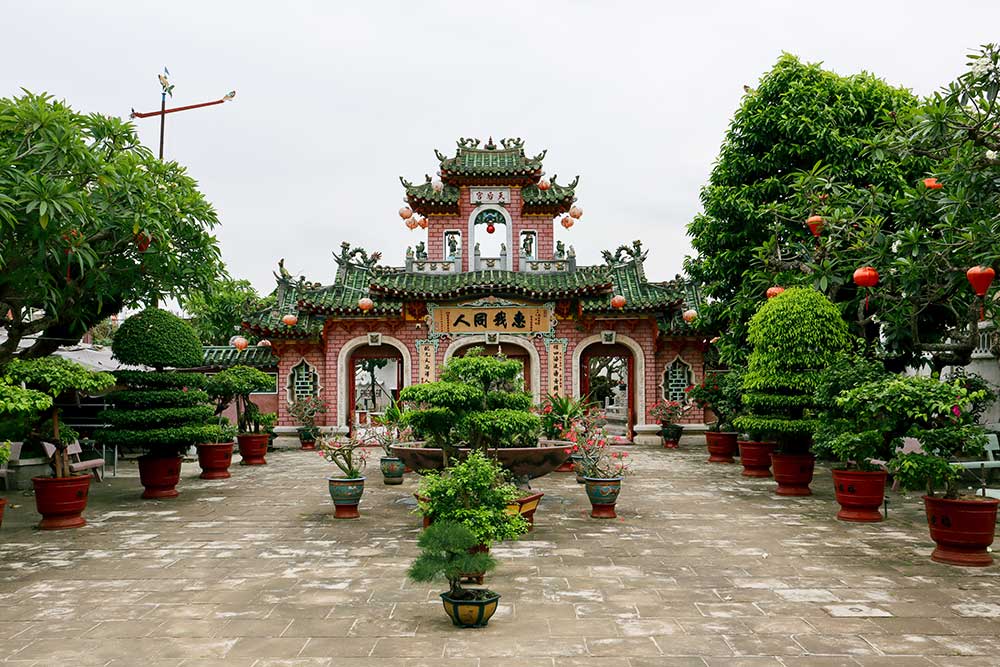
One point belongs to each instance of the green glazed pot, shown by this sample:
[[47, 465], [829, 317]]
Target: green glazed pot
[[346, 494], [603, 494], [392, 470]]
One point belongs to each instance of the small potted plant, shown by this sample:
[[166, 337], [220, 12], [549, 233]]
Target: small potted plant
[[603, 468], [585, 434], [386, 433], [795, 336], [667, 413], [304, 410], [214, 458], [234, 385], [854, 436], [942, 416], [162, 412], [448, 551], [720, 392], [557, 414], [351, 458]]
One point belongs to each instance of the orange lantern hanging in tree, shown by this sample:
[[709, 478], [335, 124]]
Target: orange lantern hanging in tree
[[981, 277], [932, 184], [815, 223], [866, 277], [774, 291]]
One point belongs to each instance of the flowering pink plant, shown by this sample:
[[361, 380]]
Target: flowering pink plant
[[349, 456], [668, 412], [593, 445]]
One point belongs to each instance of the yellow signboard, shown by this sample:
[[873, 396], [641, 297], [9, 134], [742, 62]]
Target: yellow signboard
[[483, 319]]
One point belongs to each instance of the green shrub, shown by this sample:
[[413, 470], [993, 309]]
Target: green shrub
[[475, 494], [234, 385], [722, 393], [501, 428], [795, 336], [558, 413], [159, 339]]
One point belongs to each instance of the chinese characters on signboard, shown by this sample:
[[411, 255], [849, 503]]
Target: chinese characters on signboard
[[489, 195], [426, 360], [503, 319], [556, 357]]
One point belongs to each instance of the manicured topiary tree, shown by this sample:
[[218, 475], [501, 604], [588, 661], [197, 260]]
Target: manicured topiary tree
[[795, 336], [163, 412]]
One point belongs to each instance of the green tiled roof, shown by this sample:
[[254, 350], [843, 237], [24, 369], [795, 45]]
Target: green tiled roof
[[583, 281], [557, 199], [268, 322], [224, 356], [425, 200], [504, 161], [640, 294]]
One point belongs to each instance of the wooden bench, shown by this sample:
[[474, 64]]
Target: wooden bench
[[76, 465]]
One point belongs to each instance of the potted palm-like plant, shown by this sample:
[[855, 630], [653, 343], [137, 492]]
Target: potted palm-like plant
[[304, 410], [160, 411], [387, 429], [557, 414], [721, 392], [667, 413], [448, 551], [234, 385], [942, 416], [795, 336], [351, 458]]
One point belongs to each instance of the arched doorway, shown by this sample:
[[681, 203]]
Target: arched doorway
[[510, 350], [607, 377], [375, 377]]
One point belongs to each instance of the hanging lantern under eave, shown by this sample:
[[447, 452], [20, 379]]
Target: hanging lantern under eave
[[289, 320], [437, 185], [422, 222], [618, 302], [490, 228], [544, 184], [240, 343], [981, 277], [774, 291], [932, 184], [567, 222], [264, 343], [690, 315], [365, 304], [406, 213], [576, 212], [815, 223], [410, 223]]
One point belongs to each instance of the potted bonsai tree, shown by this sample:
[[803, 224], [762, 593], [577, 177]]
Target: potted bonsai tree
[[478, 403], [447, 551], [304, 410], [942, 416], [351, 457], [795, 336], [855, 437], [667, 413], [721, 392], [163, 412], [234, 385], [60, 499]]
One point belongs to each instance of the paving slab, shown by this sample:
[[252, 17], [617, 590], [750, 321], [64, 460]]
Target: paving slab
[[703, 567]]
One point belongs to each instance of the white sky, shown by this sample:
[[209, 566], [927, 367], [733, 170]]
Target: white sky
[[336, 100]]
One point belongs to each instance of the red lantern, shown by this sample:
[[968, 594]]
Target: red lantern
[[240, 343], [142, 241], [490, 228], [932, 184], [544, 184], [866, 276], [423, 223], [815, 223], [264, 343], [618, 301], [774, 291], [981, 277], [690, 315], [576, 212], [290, 320], [406, 213], [567, 221], [410, 223], [365, 304]]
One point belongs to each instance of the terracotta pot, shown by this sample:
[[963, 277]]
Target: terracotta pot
[[793, 472], [253, 448], [756, 458], [721, 446], [470, 613], [3, 505], [61, 501], [346, 494], [962, 529], [860, 494], [160, 475], [214, 458], [392, 470], [603, 494], [566, 466], [307, 437]]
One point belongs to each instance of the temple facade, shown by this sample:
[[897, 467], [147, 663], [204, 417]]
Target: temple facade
[[488, 273]]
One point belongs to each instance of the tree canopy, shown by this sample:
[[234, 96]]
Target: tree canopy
[[217, 313], [92, 223]]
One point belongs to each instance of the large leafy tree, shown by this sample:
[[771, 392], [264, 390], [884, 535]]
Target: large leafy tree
[[798, 115], [91, 223], [216, 313]]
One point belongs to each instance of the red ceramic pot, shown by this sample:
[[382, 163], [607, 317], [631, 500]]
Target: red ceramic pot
[[721, 446], [860, 494], [160, 475], [756, 458], [253, 448], [308, 445], [962, 529], [61, 501], [215, 459], [793, 472]]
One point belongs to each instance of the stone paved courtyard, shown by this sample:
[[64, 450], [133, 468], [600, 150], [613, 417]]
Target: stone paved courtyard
[[704, 567]]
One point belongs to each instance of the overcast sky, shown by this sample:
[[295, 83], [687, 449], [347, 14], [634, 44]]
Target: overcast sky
[[336, 100]]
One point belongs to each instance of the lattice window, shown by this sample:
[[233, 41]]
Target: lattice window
[[303, 381], [676, 378]]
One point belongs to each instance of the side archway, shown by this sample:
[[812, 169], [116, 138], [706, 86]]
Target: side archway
[[640, 370], [344, 369], [535, 372]]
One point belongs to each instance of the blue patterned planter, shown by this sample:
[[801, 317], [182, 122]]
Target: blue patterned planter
[[346, 494], [392, 470], [603, 494]]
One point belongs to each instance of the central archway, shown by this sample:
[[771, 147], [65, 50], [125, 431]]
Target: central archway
[[637, 387], [533, 373]]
